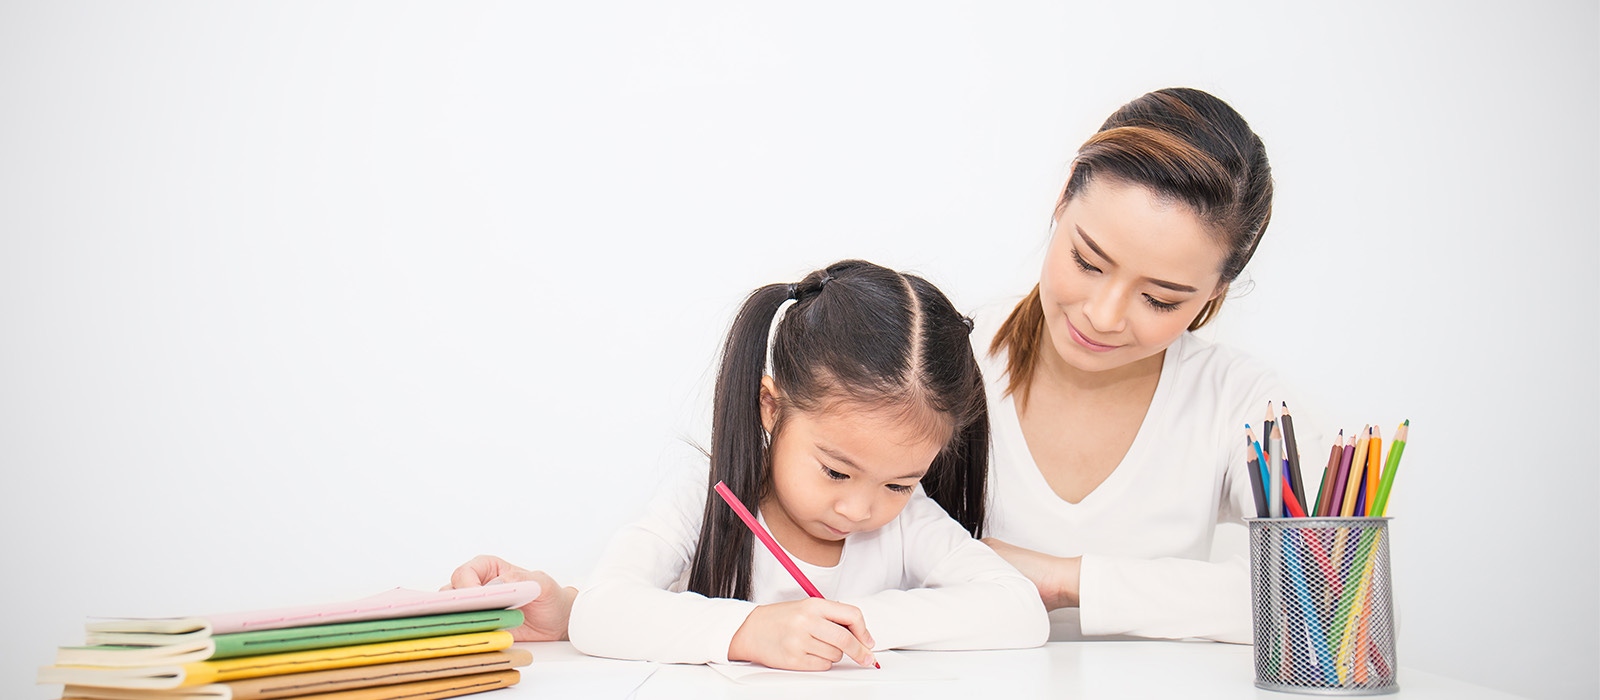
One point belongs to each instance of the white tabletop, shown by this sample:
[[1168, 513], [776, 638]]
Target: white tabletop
[[1088, 670]]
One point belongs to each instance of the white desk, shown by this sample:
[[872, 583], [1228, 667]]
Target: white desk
[[1088, 670]]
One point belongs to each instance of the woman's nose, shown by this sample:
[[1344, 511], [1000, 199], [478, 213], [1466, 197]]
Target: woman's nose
[[1106, 309]]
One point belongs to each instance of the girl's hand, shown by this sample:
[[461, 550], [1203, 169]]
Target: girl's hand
[[803, 635], [544, 619], [1056, 577]]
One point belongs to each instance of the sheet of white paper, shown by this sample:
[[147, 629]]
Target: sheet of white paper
[[897, 668], [558, 671]]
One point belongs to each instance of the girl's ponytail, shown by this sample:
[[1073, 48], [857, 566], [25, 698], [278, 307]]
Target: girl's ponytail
[[720, 567], [958, 477]]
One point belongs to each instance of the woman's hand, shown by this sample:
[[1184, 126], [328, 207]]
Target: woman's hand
[[1056, 577], [803, 635], [545, 618]]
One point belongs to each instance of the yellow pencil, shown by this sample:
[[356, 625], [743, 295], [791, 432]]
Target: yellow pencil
[[1347, 508]]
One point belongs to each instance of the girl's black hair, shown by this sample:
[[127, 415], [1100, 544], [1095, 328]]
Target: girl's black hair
[[857, 333]]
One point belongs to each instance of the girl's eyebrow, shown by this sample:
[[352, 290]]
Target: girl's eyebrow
[[851, 463], [1174, 286]]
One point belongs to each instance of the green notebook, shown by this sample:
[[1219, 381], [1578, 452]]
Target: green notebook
[[143, 649]]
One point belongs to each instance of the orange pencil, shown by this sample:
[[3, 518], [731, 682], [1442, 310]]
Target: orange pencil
[[1353, 479], [1374, 465]]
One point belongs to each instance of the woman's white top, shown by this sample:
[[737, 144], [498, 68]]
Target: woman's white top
[[920, 581], [1145, 533]]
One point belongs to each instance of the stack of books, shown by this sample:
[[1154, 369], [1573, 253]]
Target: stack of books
[[407, 644]]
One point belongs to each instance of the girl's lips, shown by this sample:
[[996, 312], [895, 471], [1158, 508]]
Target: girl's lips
[[1085, 342]]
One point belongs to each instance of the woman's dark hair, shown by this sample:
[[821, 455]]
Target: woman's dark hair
[[856, 334], [1182, 144]]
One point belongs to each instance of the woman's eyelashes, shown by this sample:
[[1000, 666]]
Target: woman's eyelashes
[[1154, 303], [1083, 264], [1162, 306]]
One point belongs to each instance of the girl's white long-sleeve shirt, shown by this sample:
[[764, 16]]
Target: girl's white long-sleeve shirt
[[1145, 533], [921, 582]]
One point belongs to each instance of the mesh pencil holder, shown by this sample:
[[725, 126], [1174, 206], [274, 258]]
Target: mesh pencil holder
[[1322, 605]]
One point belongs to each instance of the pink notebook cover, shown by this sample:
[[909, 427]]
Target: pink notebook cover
[[399, 602]]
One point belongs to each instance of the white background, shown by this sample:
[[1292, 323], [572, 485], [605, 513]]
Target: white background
[[303, 301]]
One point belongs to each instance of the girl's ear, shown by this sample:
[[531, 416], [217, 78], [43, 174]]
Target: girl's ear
[[769, 403], [1221, 290]]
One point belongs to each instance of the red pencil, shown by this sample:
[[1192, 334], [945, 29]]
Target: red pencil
[[766, 539]]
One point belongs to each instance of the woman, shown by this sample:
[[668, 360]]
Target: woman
[[1119, 435]]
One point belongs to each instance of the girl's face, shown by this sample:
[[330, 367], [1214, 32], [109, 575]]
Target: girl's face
[[840, 471], [1125, 274]]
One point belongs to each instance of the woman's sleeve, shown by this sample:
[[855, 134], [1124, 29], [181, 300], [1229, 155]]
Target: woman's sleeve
[[961, 595], [1174, 597], [1168, 598], [630, 612]]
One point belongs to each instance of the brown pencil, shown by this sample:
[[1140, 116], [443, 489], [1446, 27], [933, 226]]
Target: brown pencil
[[1329, 474]]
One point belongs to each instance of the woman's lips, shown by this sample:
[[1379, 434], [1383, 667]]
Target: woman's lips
[[1086, 343]]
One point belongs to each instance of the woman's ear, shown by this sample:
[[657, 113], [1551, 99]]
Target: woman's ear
[[1222, 291], [769, 403]]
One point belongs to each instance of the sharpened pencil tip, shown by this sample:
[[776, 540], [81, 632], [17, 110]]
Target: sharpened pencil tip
[[1408, 421]]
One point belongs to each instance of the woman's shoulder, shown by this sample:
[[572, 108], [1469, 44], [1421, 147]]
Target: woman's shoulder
[[1200, 356]]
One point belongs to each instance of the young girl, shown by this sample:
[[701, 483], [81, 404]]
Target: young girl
[[863, 450]]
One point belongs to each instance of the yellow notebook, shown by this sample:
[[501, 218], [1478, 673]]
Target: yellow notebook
[[204, 672], [317, 683]]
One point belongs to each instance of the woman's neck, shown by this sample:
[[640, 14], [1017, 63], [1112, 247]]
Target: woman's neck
[[1056, 373]]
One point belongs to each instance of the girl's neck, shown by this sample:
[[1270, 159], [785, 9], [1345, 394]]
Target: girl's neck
[[796, 541]]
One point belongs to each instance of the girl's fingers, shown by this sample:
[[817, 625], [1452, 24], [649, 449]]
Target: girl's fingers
[[849, 618], [845, 640]]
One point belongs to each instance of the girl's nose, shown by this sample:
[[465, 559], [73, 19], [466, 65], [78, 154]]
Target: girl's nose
[[855, 507]]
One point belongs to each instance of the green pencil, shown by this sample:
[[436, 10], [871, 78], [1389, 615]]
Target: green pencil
[[1381, 501]]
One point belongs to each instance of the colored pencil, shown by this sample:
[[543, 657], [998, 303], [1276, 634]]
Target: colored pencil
[[1291, 450], [1278, 459], [1273, 454], [1346, 455], [1374, 454], [1274, 480], [1256, 489], [1291, 504], [1381, 502], [1354, 478], [1328, 473], [766, 539]]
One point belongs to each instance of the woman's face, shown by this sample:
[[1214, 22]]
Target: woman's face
[[1125, 274]]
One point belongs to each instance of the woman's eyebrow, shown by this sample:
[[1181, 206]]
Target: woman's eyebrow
[[1174, 286]]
